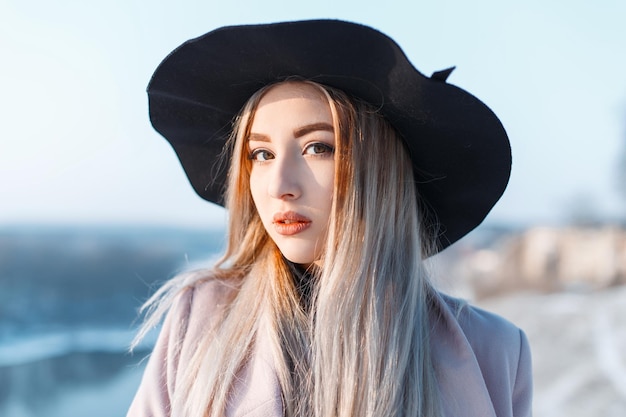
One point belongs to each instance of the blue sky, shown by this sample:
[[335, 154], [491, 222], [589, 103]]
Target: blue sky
[[76, 144]]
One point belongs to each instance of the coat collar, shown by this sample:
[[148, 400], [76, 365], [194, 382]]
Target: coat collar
[[257, 391], [461, 383]]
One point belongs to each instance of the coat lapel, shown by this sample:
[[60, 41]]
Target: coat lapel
[[461, 383], [460, 379], [257, 392]]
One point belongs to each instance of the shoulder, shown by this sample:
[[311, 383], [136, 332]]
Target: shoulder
[[195, 303], [203, 301], [496, 346], [480, 325], [209, 290], [490, 336]]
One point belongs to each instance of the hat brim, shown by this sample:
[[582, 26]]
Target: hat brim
[[460, 151]]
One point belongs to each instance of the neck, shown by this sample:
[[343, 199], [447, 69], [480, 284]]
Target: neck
[[303, 279]]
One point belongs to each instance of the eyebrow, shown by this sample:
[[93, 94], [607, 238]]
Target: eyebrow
[[299, 132]]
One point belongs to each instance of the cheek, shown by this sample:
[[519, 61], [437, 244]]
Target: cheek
[[263, 205], [326, 179], [255, 178], [254, 187], [256, 190]]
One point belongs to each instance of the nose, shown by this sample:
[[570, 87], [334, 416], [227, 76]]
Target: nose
[[284, 183]]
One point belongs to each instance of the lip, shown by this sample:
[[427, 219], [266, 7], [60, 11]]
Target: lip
[[290, 223]]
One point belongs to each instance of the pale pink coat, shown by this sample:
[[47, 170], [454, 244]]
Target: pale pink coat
[[482, 362]]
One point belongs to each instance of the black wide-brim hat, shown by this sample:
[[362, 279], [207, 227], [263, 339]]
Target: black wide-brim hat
[[460, 151]]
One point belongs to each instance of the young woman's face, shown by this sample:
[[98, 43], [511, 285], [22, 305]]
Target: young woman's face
[[291, 146]]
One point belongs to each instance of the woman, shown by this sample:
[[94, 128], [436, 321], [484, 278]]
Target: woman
[[346, 169]]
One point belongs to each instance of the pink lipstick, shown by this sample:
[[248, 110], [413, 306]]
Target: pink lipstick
[[290, 223]]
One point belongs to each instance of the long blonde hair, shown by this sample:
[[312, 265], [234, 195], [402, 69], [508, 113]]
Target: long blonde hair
[[361, 345]]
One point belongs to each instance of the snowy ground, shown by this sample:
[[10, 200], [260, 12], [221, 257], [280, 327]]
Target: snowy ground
[[579, 349]]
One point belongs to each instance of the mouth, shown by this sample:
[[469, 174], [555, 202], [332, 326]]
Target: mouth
[[290, 223]]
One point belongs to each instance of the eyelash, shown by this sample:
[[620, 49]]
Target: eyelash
[[253, 155], [326, 149]]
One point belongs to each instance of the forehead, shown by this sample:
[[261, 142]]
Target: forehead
[[292, 90], [292, 102]]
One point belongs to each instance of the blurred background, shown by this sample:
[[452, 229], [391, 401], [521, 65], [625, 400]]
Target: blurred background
[[95, 211]]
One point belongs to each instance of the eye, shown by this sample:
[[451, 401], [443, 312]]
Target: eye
[[261, 155], [318, 148]]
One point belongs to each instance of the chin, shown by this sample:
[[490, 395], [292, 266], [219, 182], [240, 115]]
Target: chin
[[298, 250], [301, 257], [300, 260]]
